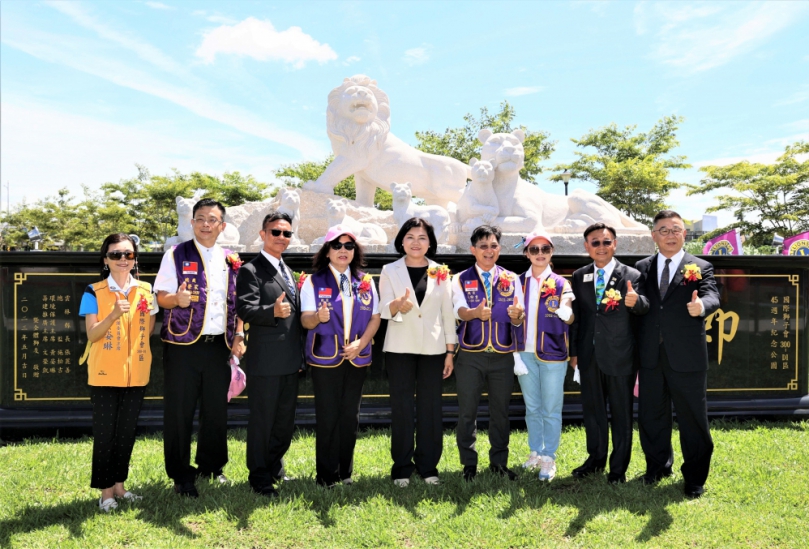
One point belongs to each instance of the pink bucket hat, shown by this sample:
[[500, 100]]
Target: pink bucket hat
[[337, 231], [536, 234]]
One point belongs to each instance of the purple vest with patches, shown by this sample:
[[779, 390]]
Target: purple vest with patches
[[325, 342], [496, 334], [552, 332], [183, 326]]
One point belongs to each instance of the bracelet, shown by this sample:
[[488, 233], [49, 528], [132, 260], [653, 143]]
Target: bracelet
[[451, 353], [239, 334]]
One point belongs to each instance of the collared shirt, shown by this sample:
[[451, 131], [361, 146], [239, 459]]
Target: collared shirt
[[532, 307], [309, 303], [216, 270], [89, 302], [676, 259], [459, 296], [608, 268]]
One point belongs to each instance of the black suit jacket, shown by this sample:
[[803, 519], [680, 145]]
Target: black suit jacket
[[606, 335], [683, 334], [274, 345]]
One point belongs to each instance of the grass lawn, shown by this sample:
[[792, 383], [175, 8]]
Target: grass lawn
[[757, 496]]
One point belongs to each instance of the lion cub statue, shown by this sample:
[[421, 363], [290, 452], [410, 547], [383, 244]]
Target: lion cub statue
[[185, 228], [358, 125], [404, 209], [367, 233], [478, 205], [290, 204]]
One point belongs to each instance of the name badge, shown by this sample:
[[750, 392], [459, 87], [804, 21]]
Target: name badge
[[588, 277]]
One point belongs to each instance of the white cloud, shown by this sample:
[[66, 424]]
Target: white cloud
[[522, 90], [351, 60], [417, 56], [221, 19], [599, 7], [160, 6], [697, 37], [260, 40], [798, 97]]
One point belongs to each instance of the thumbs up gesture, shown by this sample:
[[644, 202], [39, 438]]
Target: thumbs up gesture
[[516, 311], [631, 296], [695, 306], [121, 306], [323, 314], [282, 308], [483, 311], [183, 296], [404, 304]]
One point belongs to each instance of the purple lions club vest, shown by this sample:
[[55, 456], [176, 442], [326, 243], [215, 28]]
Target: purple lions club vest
[[552, 332], [183, 326], [496, 334], [326, 341]]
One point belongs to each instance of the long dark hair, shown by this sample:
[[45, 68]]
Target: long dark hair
[[321, 259], [114, 239]]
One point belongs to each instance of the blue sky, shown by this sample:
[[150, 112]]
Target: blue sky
[[88, 89]]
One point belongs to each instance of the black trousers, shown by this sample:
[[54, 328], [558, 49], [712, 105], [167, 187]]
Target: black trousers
[[659, 387], [115, 421], [196, 372], [472, 373], [271, 400], [338, 394], [422, 375], [597, 391]]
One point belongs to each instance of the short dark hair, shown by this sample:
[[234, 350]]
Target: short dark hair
[[412, 223], [115, 238], [275, 216], [666, 214], [599, 227], [320, 260], [208, 202], [485, 231]]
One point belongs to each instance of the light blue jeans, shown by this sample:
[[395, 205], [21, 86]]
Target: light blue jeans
[[543, 393]]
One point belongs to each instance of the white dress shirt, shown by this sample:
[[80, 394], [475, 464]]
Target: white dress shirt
[[608, 268], [309, 303], [216, 270], [532, 307], [459, 296]]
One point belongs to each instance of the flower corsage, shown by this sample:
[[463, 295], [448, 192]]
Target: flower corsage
[[439, 273], [692, 273], [548, 287], [300, 278], [144, 305], [505, 282], [612, 298], [235, 261], [365, 284]]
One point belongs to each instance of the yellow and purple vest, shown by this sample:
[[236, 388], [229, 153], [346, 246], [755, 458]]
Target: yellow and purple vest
[[496, 334], [552, 332]]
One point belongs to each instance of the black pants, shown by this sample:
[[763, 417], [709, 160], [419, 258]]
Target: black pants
[[197, 372], [338, 394], [115, 420], [597, 391], [422, 374], [473, 371], [271, 400], [659, 387]]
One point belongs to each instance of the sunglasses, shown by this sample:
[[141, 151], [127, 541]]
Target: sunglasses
[[117, 256], [279, 232], [339, 245], [535, 250], [598, 243], [487, 247]]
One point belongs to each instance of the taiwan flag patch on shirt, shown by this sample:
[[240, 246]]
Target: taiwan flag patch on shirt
[[470, 285], [189, 267], [324, 293]]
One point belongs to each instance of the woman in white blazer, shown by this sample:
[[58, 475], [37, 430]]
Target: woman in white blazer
[[416, 299]]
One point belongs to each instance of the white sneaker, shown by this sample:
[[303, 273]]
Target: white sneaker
[[402, 482], [532, 462], [432, 480], [107, 505], [547, 468], [129, 496], [348, 481]]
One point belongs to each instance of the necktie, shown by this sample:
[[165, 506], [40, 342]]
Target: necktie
[[487, 285], [664, 280], [285, 274], [600, 285], [344, 285]]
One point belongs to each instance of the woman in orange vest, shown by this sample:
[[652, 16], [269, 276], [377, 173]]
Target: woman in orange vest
[[119, 317]]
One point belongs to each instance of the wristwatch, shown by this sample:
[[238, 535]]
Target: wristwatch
[[239, 334]]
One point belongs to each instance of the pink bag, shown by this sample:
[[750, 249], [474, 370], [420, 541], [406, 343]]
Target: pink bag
[[238, 380], [637, 384]]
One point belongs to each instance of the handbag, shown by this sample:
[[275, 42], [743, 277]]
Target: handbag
[[238, 379]]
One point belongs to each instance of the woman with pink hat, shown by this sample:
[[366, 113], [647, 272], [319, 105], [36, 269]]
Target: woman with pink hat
[[541, 363], [340, 310]]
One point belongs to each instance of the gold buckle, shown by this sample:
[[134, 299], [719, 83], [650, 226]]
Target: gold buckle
[[489, 349]]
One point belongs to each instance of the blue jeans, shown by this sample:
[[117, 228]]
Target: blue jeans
[[543, 393]]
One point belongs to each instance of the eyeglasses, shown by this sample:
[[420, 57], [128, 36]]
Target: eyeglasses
[[598, 243], [534, 250], [212, 221], [118, 255], [347, 245], [665, 231], [279, 232], [487, 247]]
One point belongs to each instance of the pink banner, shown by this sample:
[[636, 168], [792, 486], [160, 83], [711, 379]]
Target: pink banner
[[724, 244], [797, 245]]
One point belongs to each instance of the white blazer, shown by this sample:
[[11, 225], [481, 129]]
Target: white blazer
[[426, 329]]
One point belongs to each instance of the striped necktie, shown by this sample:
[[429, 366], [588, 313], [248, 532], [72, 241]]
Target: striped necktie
[[600, 285], [487, 285], [344, 287], [285, 274]]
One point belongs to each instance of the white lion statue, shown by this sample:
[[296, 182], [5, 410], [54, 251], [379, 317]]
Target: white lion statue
[[358, 126], [291, 204], [366, 233], [185, 227], [404, 209], [478, 205], [524, 207]]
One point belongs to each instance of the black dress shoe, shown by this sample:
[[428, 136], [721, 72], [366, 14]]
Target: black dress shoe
[[469, 473], [587, 469], [268, 491], [186, 489], [653, 478], [503, 471], [612, 478], [693, 491]]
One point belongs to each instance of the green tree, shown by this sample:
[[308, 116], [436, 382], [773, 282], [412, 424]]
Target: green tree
[[630, 170], [462, 143], [764, 198]]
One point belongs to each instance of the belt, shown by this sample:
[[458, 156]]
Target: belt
[[211, 338]]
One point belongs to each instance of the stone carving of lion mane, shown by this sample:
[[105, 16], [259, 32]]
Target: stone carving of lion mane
[[358, 126]]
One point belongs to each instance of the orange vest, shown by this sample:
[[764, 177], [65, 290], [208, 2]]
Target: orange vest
[[122, 357]]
